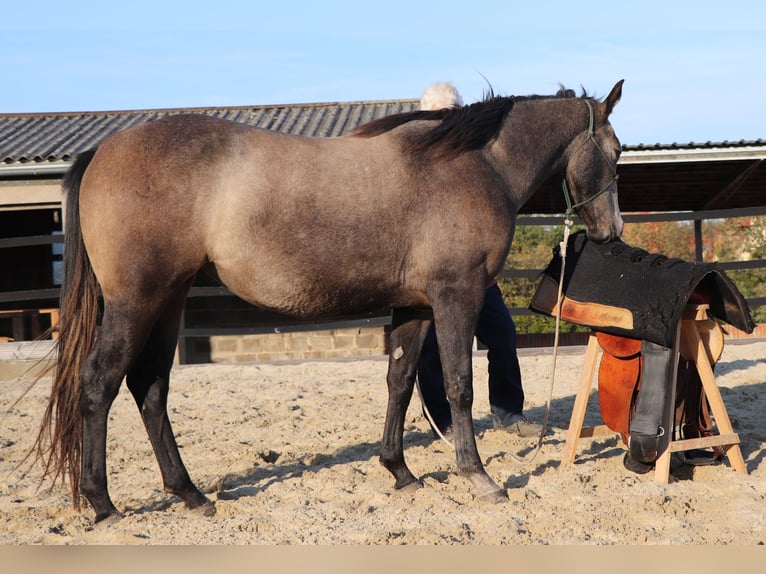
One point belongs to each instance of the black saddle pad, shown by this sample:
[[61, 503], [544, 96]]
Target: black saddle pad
[[645, 293]]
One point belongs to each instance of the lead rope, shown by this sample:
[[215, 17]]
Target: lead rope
[[568, 222], [530, 457]]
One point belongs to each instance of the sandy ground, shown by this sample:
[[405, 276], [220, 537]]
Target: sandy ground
[[289, 454]]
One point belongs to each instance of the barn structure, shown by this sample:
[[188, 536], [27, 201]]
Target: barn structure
[[662, 182]]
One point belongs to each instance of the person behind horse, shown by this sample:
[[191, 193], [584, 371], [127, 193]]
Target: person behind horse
[[495, 329]]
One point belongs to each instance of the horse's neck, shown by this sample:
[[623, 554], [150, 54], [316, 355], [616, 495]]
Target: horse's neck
[[532, 144]]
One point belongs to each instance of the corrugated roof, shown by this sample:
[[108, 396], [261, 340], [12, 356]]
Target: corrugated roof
[[60, 136]]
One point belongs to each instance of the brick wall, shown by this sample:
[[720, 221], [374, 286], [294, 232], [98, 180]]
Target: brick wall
[[335, 343], [356, 342]]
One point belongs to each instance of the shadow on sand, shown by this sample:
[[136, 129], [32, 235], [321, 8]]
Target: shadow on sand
[[751, 428]]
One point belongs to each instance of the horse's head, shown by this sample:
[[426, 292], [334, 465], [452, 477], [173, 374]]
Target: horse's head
[[590, 179]]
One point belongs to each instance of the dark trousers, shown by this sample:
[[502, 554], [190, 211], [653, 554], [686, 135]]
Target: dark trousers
[[496, 330]]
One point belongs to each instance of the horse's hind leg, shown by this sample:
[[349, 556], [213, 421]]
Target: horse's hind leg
[[119, 342], [148, 381], [407, 335]]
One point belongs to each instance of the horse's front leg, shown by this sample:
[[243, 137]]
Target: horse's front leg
[[455, 328], [407, 335]]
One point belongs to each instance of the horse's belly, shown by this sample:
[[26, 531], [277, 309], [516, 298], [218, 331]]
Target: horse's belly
[[315, 304], [318, 294]]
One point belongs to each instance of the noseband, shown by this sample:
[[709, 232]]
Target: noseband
[[591, 136]]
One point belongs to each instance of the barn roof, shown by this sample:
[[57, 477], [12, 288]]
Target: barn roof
[[661, 177], [53, 137]]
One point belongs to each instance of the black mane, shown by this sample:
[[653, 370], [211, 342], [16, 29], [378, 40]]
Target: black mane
[[459, 129]]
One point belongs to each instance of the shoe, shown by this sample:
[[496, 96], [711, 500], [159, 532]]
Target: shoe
[[516, 423]]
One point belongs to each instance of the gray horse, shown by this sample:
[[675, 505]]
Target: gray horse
[[411, 212]]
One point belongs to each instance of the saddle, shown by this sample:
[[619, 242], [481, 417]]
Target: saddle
[[633, 300], [625, 364]]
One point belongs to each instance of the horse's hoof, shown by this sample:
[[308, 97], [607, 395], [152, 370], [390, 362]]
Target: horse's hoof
[[408, 485], [493, 496], [207, 509], [199, 503], [109, 519]]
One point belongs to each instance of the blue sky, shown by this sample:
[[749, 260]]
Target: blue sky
[[693, 70]]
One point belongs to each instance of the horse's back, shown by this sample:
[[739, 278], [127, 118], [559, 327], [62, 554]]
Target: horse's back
[[306, 226], [160, 200]]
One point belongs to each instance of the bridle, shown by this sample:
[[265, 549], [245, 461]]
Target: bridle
[[589, 137]]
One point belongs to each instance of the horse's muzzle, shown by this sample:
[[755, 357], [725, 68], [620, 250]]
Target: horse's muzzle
[[608, 234]]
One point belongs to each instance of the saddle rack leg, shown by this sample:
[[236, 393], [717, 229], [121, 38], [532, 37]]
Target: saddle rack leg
[[662, 464], [726, 438], [576, 430]]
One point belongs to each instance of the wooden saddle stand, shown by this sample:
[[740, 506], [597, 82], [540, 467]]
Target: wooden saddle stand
[[654, 322], [690, 345]]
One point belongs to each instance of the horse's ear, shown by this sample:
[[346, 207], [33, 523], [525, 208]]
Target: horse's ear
[[613, 97]]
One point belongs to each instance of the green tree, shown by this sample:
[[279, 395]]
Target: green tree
[[740, 239], [532, 249]]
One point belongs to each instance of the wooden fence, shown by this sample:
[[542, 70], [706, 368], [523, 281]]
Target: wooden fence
[[33, 302]]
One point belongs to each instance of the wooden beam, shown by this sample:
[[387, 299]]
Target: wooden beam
[[723, 196]]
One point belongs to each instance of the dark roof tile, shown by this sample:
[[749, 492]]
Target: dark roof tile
[[59, 136]]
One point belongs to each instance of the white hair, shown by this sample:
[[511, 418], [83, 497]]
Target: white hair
[[440, 95]]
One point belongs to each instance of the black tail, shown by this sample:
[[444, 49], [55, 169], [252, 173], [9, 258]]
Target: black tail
[[59, 441]]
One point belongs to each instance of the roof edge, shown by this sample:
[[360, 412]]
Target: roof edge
[[723, 151], [201, 109]]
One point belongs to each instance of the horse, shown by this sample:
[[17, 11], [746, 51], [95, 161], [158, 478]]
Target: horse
[[410, 212]]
